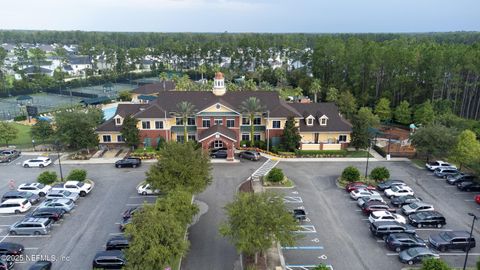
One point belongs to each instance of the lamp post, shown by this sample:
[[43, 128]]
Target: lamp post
[[33, 144], [268, 131], [57, 143], [368, 156], [471, 231]]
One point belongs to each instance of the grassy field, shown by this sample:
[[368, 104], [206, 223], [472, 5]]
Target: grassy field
[[23, 140]]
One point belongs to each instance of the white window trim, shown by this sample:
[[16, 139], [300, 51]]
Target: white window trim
[[248, 118], [209, 122], [280, 127], [321, 119], [150, 125], [230, 119], [346, 138], [163, 124], [118, 121], [260, 121], [309, 120]]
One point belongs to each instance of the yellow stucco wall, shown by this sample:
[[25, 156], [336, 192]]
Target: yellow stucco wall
[[113, 135], [282, 123], [213, 108], [322, 137], [166, 124]]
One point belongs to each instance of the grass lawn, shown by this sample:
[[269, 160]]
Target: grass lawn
[[418, 162], [360, 153], [23, 140]]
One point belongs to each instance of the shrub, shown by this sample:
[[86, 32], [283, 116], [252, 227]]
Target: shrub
[[260, 144], [380, 173], [321, 153], [275, 175], [161, 143], [245, 142], [321, 267], [351, 174], [20, 118], [434, 264], [77, 175], [47, 177]]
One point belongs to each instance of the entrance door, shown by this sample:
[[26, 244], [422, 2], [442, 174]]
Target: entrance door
[[316, 137]]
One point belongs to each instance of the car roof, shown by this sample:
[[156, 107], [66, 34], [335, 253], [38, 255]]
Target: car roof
[[34, 184], [10, 193], [382, 213], [33, 220], [460, 233], [420, 203], [430, 213], [59, 200], [109, 253], [71, 182], [15, 200], [10, 244], [403, 235], [386, 223]]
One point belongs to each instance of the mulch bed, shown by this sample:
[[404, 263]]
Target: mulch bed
[[249, 261]]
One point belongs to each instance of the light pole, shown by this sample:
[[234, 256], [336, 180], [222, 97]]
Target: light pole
[[468, 247], [57, 143], [368, 156], [33, 144], [268, 131]]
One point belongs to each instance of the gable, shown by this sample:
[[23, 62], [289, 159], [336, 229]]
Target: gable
[[218, 108]]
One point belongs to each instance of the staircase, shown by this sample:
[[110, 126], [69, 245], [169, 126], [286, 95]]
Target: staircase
[[264, 169]]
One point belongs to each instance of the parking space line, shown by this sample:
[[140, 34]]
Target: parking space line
[[31, 248], [115, 234], [144, 196], [303, 248], [358, 210], [306, 229], [303, 266], [292, 199], [449, 186], [5, 225], [469, 200], [434, 229], [25, 236], [14, 215]]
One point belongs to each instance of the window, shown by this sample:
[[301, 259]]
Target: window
[[147, 142], [230, 122], [158, 124], [107, 138], [120, 138], [309, 122], [276, 124], [245, 137], [192, 137], [118, 121], [245, 121], [218, 122], [145, 124], [206, 123], [180, 138], [218, 106], [323, 121], [342, 138], [217, 144], [179, 121], [256, 137], [191, 121], [257, 121]]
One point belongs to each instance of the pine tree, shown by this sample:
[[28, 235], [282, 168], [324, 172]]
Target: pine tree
[[291, 137]]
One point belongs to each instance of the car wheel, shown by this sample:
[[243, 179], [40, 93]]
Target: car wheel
[[384, 237], [17, 212], [398, 249], [439, 226], [118, 166], [419, 225], [410, 262], [41, 166], [144, 193], [13, 232], [41, 194], [443, 248], [26, 166], [83, 194], [134, 165], [36, 233]]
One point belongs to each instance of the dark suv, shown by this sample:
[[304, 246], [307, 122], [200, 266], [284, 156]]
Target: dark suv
[[403, 200], [452, 240], [9, 155], [128, 162], [459, 178], [219, 154], [400, 241], [427, 218], [384, 228], [32, 198], [251, 155], [469, 186], [110, 259]]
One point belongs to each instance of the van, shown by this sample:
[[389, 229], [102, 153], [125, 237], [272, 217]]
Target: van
[[15, 206], [383, 228], [29, 226]]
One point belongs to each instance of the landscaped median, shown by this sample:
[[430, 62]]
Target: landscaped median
[[276, 179], [312, 153]]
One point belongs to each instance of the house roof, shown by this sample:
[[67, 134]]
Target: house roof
[[154, 88], [34, 70], [217, 129], [129, 109], [153, 111], [335, 121], [79, 60], [109, 125]]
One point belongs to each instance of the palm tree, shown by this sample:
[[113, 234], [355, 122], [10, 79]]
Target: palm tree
[[202, 69], [185, 110], [163, 77], [315, 89], [251, 107]]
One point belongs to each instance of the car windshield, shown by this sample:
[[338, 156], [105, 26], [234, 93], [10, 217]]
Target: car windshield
[[80, 184], [412, 252], [67, 193], [395, 188], [446, 236], [433, 163], [40, 185], [414, 205]]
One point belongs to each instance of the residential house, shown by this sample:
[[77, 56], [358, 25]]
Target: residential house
[[80, 64]]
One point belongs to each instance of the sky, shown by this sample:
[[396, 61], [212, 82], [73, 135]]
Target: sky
[[278, 16]]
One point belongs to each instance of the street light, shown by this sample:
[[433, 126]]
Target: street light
[[368, 156], [57, 143], [468, 247]]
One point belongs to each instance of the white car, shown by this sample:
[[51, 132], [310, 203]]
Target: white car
[[82, 188], [386, 216], [15, 206], [398, 191], [146, 189], [66, 204], [37, 162], [416, 207], [35, 188], [356, 194], [62, 194], [439, 164], [363, 200]]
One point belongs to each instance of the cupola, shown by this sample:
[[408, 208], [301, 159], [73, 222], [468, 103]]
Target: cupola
[[219, 88]]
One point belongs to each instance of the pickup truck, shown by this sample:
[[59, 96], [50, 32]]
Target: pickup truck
[[8, 155], [82, 188]]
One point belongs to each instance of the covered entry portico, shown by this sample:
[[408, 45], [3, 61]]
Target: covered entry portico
[[219, 137]]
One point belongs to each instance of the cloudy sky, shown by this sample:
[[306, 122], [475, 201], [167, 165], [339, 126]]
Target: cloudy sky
[[321, 16]]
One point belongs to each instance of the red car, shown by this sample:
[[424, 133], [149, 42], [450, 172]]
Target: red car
[[371, 206], [477, 198], [357, 185]]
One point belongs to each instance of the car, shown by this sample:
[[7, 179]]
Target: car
[[251, 155], [458, 178], [36, 188], [403, 200], [32, 198], [54, 214], [299, 214], [389, 184], [444, 172], [400, 241], [65, 204], [427, 219], [444, 241], [416, 207], [28, 225], [41, 265], [369, 207], [6, 264], [37, 162], [358, 185], [109, 259], [416, 254], [8, 155], [438, 164], [62, 194], [132, 162], [469, 186], [384, 228], [386, 216], [131, 211], [219, 154], [82, 188], [397, 191], [477, 198], [118, 242], [9, 248], [15, 206], [358, 193], [361, 201], [146, 189], [124, 224]]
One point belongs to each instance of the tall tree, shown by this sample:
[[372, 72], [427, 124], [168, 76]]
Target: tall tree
[[347, 104], [76, 129], [467, 148], [382, 109], [360, 134], [164, 78], [185, 111], [8, 132], [366, 116], [291, 136], [403, 114], [315, 89], [251, 107], [130, 131], [332, 94], [433, 140], [42, 130], [424, 114]]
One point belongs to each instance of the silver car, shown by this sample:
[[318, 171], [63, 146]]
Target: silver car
[[416, 207], [66, 204], [62, 194], [34, 226]]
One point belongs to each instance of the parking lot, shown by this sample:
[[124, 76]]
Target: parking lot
[[337, 232]]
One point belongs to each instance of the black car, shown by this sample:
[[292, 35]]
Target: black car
[[299, 214], [469, 186], [131, 211], [54, 214], [110, 259], [124, 223], [32, 198], [427, 219], [6, 264], [9, 248], [384, 228], [41, 265], [452, 240], [117, 243], [400, 241], [219, 154], [459, 178], [251, 155], [416, 255], [389, 183], [403, 200], [128, 162]]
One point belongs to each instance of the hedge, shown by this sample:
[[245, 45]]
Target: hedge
[[322, 153]]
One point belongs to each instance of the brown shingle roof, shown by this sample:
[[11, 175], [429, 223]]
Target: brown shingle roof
[[109, 125], [335, 122], [217, 128], [153, 111], [154, 88], [129, 109]]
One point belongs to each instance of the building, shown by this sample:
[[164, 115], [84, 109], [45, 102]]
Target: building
[[145, 93], [218, 121]]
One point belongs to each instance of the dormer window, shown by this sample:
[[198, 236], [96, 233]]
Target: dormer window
[[323, 120], [309, 120], [118, 121]]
